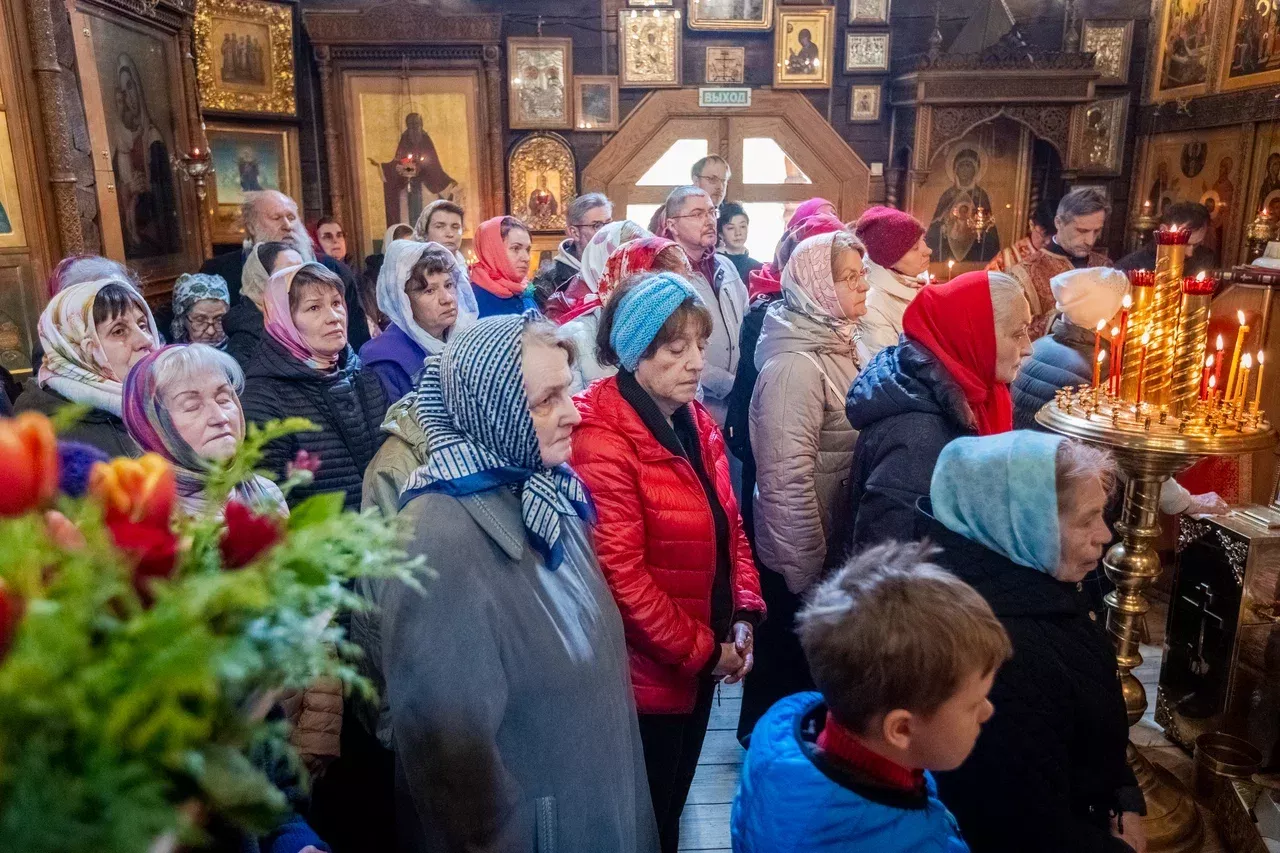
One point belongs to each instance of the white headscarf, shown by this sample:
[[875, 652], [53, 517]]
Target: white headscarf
[[1089, 296], [388, 236], [596, 255], [253, 278], [397, 266]]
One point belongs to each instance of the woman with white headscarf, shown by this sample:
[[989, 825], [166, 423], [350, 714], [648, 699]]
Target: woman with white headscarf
[[580, 293], [803, 446], [92, 333], [427, 297]]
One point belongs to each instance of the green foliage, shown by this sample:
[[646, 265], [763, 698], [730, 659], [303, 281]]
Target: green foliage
[[120, 718]]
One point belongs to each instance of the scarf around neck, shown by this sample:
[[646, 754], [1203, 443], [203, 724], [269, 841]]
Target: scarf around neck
[[472, 406], [278, 319], [493, 270], [401, 257], [956, 322], [146, 416], [75, 364]]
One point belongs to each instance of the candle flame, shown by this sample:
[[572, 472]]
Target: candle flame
[[950, 264], [1240, 317], [1115, 331], [1246, 361], [1200, 277], [1259, 358], [1213, 381], [1102, 324], [1102, 354], [1146, 337], [1127, 302], [1208, 362], [1219, 342]]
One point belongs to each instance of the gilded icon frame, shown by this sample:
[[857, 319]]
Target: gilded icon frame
[[804, 18], [1105, 34], [224, 215], [667, 26], [582, 116], [541, 154], [275, 95], [520, 118], [698, 21]]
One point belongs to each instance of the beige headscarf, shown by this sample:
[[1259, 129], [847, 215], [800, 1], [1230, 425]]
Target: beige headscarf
[[253, 279]]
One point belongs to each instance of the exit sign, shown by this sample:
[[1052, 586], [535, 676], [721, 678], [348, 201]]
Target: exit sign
[[724, 97]]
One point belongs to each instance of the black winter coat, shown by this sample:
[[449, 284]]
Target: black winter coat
[[348, 405], [96, 428], [906, 408], [245, 327], [1061, 359], [1049, 770]]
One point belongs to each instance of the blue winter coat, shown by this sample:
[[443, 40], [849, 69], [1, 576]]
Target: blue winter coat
[[794, 799], [906, 408], [395, 358], [1061, 359]]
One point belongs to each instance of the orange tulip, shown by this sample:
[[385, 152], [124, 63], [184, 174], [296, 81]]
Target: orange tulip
[[28, 463], [142, 491]]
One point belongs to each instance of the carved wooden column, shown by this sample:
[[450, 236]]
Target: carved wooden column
[[195, 133], [57, 129], [493, 80], [337, 190]]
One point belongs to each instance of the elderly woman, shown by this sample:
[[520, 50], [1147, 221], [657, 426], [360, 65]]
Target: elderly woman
[[503, 254], [304, 367], [949, 376], [581, 293], [1019, 517], [898, 256], [506, 669], [582, 326], [91, 334], [200, 302], [803, 447], [668, 531], [243, 323], [427, 298]]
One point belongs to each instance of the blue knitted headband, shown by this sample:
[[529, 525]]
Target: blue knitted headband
[[642, 312]]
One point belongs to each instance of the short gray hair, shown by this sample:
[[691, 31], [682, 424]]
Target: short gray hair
[[180, 364], [1005, 295], [252, 200], [696, 171], [578, 209], [1077, 464], [675, 201], [1082, 201]]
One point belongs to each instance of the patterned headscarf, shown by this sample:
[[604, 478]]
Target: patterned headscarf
[[146, 415], [401, 257], [189, 289], [75, 364], [629, 259], [808, 287], [253, 279], [278, 319], [472, 405], [606, 241], [767, 280]]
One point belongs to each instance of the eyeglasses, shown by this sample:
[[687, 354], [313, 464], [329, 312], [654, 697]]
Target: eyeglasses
[[712, 179], [712, 214], [593, 226], [853, 280], [198, 323]]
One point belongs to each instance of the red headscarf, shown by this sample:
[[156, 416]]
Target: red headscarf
[[493, 270], [956, 322], [627, 260], [808, 210], [767, 280]]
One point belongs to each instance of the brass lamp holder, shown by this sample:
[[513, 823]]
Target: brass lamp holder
[[196, 167]]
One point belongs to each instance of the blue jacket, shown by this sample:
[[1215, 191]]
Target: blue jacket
[[906, 408], [491, 305], [793, 799], [1061, 359], [395, 358]]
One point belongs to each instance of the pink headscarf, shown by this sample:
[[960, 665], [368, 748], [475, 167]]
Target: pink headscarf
[[278, 319], [493, 270], [809, 208]]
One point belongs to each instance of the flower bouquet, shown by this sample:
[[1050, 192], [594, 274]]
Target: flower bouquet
[[140, 648]]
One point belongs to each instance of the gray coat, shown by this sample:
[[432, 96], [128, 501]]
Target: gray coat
[[511, 705]]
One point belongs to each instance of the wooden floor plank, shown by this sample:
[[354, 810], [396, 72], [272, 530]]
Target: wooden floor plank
[[721, 748], [705, 827], [714, 784]]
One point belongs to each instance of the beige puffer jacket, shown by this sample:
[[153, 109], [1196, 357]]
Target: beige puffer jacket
[[316, 715], [803, 442]]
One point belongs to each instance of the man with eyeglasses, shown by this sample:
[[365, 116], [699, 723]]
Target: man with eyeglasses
[[585, 215], [691, 221], [712, 175]]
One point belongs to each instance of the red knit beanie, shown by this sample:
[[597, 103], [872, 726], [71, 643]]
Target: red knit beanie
[[888, 234]]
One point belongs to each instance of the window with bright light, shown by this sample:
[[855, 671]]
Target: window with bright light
[[674, 167], [641, 213], [764, 162], [768, 220]]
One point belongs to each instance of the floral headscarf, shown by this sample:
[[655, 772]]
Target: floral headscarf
[[401, 257], [808, 287], [472, 405], [605, 242], [75, 364], [278, 319], [146, 415], [189, 289], [627, 260]]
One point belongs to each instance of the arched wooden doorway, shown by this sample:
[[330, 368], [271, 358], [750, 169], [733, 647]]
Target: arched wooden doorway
[[781, 150]]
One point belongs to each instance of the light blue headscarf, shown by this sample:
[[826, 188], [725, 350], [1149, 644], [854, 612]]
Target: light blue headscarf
[[1001, 492]]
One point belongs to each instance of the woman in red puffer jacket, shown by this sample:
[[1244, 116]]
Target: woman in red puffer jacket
[[669, 536]]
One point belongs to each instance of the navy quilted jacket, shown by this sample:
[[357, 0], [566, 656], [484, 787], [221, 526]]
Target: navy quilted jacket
[[1060, 359], [1049, 768], [906, 408], [348, 405]]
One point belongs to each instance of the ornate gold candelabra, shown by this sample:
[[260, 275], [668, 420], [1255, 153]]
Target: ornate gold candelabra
[[1157, 427]]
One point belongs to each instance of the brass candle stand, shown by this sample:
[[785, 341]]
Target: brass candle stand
[[1156, 429]]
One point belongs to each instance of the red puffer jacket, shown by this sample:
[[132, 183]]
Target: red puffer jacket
[[656, 541]]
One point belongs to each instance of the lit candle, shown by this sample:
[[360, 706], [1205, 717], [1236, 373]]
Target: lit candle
[[1097, 346], [1230, 393], [1142, 363], [1117, 363], [1097, 368], [1242, 384], [1213, 389], [1257, 395], [1204, 377], [951, 265], [1220, 359], [1113, 383]]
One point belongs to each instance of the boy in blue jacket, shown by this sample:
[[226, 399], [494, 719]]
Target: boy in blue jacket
[[904, 654]]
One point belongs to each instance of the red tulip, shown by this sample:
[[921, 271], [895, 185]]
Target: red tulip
[[28, 463], [247, 536], [138, 496], [11, 610]]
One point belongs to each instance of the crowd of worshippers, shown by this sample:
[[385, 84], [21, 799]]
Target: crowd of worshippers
[[662, 468]]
